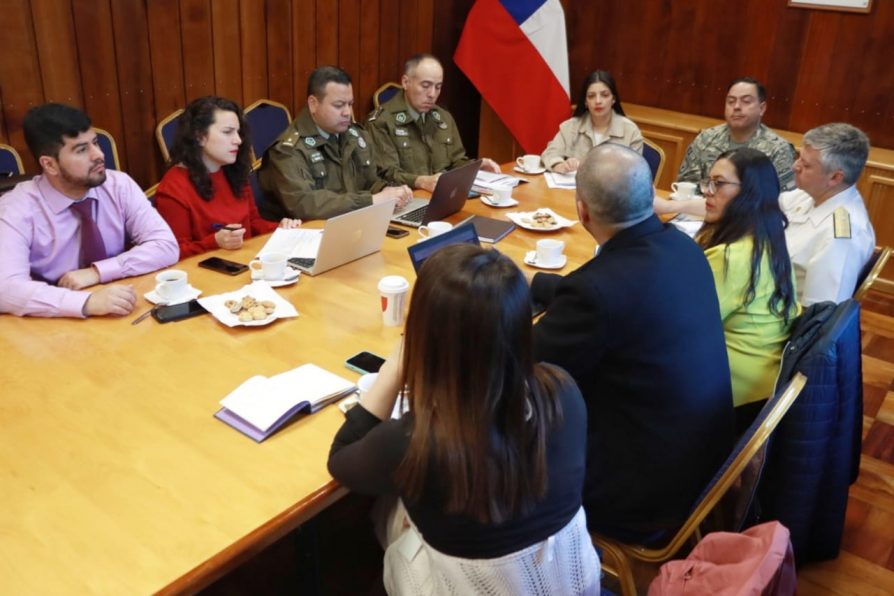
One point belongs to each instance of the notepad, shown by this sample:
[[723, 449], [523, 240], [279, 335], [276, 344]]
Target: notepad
[[491, 230], [262, 405]]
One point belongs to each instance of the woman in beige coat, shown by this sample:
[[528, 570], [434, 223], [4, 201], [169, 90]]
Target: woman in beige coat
[[598, 118]]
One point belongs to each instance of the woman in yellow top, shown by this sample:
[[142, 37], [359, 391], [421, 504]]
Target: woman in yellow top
[[744, 241]]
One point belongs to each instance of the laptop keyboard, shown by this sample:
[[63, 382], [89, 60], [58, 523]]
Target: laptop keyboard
[[415, 216], [303, 263]]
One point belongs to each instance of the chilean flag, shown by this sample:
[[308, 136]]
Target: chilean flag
[[516, 54]]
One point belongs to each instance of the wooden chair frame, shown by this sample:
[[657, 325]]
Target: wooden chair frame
[[884, 253], [108, 136], [160, 137], [388, 85], [662, 158], [617, 556], [15, 154]]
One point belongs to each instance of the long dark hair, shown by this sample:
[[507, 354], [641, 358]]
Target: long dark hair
[[482, 409], [192, 125], [755, 211], [598, 76]]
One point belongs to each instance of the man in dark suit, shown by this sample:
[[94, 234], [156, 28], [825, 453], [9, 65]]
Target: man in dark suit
[[639, 329]]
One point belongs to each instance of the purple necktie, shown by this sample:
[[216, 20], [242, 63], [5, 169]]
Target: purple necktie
[[92, 247]]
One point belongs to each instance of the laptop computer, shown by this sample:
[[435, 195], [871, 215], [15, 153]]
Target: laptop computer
[[463, 233], [449, 196], [344, 238]]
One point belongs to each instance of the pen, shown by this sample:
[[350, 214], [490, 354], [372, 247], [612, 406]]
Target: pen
[[216, 227]]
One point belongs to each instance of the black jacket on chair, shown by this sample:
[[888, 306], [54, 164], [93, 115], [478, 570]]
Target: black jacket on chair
[[639, 329], [814, 455]]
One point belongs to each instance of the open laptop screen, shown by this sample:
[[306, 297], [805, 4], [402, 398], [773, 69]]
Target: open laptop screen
[[422, 250]]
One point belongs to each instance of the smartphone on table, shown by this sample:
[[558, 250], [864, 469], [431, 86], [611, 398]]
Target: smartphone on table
[[223, 266], [394, 232], [365, 362], [178, 312]]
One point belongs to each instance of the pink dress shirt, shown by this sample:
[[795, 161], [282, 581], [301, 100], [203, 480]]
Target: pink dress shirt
[[40, 241]]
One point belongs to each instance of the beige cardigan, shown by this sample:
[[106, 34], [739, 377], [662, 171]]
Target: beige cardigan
[[575, 138]]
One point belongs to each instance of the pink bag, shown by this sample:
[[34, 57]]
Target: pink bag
[[757, 561]]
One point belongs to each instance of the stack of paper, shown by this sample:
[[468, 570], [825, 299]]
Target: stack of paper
[[261, 405], [302, 243], [487, 181], [557, 180]]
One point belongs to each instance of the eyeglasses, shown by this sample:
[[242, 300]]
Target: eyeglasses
[[710, 186]]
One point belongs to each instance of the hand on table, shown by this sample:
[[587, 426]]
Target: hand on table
[[290, 224], [427, 182], [111, 300], [79, 279], [566, 167], [490, 165], [230, 236]]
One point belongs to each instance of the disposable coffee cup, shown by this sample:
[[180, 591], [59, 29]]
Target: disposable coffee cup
[[549, 251], [435, 228], [269, 267], [683, 190], [171, 284], [528, 163], [393, 296]]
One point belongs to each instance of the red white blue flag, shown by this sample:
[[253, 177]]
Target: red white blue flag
[[516, 54]]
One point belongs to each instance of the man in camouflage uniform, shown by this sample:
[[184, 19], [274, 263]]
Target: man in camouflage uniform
[[746, 102], [323, 165], [416, 140]]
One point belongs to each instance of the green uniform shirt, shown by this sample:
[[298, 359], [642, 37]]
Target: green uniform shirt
[[305, 175], [711, 142], [408, 147]]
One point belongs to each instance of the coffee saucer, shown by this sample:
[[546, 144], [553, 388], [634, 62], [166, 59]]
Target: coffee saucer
[[190, 294], [534, 172], [490, 202], [291, 277], [531, 259]]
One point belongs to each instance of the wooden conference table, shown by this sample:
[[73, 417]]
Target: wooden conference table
[[115, 476]]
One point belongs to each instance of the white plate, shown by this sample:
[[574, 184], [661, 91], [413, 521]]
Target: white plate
[[291, 277], [534, 172], [531, 259], [523, 219], [191, 293], [486, 199], [260, 290]]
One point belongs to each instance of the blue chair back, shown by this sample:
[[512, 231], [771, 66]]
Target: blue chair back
[[164, 133], [655, 157], [10, 162], [266, 121], [256, 191], [384, 93], [109, 149]]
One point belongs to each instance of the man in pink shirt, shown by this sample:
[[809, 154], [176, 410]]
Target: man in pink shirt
[[75, 226]]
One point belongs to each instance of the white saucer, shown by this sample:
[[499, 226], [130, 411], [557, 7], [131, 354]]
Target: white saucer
[[292, 276], [531, 259], [191, 294], [534, 172], [486, 200]]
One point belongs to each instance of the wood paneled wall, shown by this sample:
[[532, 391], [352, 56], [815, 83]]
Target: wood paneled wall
[[819, 66], [130, 63]]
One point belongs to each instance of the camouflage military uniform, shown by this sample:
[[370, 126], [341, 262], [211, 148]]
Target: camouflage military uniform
[[408, 145], [307, 176], [710, 143]]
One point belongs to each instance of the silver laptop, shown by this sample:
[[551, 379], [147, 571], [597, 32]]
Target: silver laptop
[[348, 237], [449, 196]]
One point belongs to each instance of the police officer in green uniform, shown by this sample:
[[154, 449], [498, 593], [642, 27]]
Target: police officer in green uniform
[[415, 140], [323, 165]]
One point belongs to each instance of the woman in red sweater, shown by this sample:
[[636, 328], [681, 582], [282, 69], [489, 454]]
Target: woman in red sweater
[[205, 196]]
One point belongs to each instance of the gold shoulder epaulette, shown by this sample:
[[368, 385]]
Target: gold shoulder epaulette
[[842, 223], [290, 140]]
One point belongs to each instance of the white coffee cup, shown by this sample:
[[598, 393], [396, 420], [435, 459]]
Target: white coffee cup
[[435, 228], [270, 267], [171, 284], [365, 383], [683, 190], [393, 296], [549, 251], [501, 194], [528, 163]]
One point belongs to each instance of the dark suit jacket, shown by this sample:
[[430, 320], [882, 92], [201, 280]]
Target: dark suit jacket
[[639, 329]]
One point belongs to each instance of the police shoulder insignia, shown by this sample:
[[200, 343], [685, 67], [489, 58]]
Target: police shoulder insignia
[[310, 141], [400, 117], [842, 223], [442, 126], [290, 140], [316, 156], [401, 132], [361, 143], [353, 132], [435, 115]]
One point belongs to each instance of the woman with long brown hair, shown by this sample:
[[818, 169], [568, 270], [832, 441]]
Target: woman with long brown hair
[[489, 459]]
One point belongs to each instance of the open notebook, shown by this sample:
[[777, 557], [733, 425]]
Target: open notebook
[[260, 406]]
